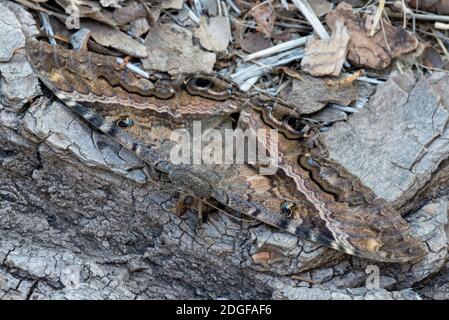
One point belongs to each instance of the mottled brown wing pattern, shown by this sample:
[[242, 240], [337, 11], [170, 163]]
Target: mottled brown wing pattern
[[88, 77], [309, 196], [328, 205]]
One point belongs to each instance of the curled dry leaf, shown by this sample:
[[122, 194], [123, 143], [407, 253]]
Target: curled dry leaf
[[326, 57], [376, 51], [431, 58], [214, 33]]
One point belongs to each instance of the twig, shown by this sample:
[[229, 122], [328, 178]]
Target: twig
[[46, 26], [311, 16], [192, 14], [365, 78], [247, 74], [441, 26], [234, 7], [419, 16], [277, 48], [198, 7], [133, 68], [377, 17]]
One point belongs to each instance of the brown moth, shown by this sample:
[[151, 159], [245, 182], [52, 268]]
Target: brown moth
[[308, 196]]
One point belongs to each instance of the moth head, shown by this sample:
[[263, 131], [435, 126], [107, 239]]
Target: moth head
[[209, 87]]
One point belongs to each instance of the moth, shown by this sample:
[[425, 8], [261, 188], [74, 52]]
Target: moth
[[309, 196]]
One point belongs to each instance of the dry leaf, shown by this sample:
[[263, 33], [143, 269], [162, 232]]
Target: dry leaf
[[376, 51], [326, 57], [431, 58], [254, 41], [214, 33]]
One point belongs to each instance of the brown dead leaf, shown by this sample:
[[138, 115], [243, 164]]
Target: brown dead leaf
[[254, 41], [312, 94], [431, 58], [376, 51], [265, 18], [326, 57]]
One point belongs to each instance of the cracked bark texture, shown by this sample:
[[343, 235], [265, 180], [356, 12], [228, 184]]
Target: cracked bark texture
[[80, 218]]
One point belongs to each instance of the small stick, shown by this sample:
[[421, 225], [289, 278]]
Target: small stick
[[277, 48], [247, 71], [47, 27], [377, 17], [311, 16], [192, 15], [441, 26], [234, 7], [419, 16], [133, 68]]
